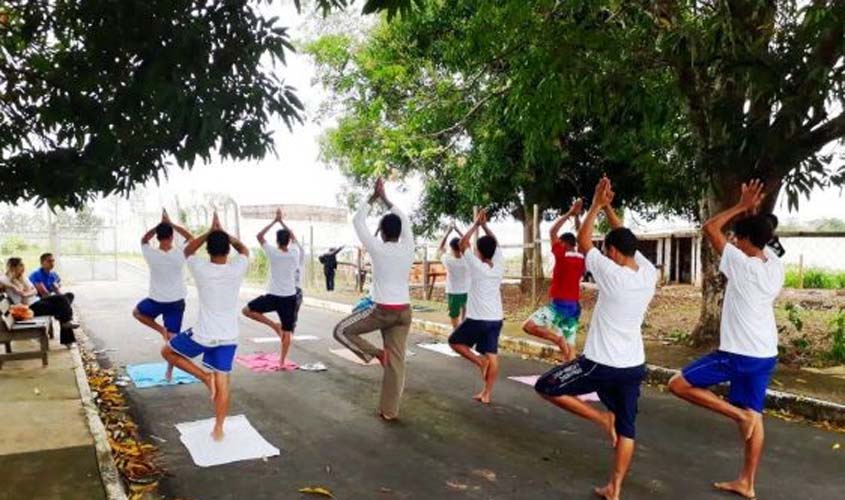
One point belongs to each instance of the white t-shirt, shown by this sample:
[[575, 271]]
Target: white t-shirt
[[615, 337], [391, 261], [167, 273], [485, 296], [7, 287], [457, 274], [748, 317], [300, 270], [283, 266], [218, 286]]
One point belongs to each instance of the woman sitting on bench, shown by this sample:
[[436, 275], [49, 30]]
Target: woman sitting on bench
[[21, 291]]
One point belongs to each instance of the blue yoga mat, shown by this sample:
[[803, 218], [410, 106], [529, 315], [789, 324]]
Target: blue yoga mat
[[152, 375]]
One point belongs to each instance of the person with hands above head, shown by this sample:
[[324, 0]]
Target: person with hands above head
[[457, 275], [613, 362], [392, 256], [218, 279], [281, 297], [484, 317], [167, 290], [748, 334], [557, 322]]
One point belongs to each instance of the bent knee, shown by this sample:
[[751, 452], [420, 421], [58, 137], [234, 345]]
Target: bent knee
[[678, 384], [167, 351], [528, 326]]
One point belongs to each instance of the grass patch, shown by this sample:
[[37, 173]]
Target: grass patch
[[815, 278]]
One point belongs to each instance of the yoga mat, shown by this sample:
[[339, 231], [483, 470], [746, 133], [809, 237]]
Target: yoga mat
[[532, 379], [277, 340], [350, 356], [240, 442], [264, 362], [152, 375]]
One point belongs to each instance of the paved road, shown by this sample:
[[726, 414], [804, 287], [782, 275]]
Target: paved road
[[446, 443]]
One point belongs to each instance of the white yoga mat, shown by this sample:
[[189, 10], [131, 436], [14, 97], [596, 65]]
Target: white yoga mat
[[532, 379], [439, 347], [277, 340], [350, 356], [240, 442]]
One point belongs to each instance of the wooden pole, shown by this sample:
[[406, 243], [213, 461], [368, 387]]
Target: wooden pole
[[535, 254], [801, 271], [425, 272]]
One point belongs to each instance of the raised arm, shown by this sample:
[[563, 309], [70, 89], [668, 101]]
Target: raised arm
[[442, 247], [480, 219], [261, 234], [195, 243], [238, 246], [574, 210], [601, 198], [177, 227], [750, 198], [145, 240], [282, 222]]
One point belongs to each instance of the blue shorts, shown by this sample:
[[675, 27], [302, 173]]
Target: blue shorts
[[748, 376], [218, 358], [618, 388], [171, 312], [483, 335]]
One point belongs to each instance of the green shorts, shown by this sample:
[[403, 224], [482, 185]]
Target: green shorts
[[457, 301], [560, 318]]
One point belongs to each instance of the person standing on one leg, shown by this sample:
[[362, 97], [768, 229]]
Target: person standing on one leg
[[557, 322], [281, 296], [167, 282], [483, 322], [748, 337], [457, 276], [218, 280], [613, 363], [392, 257]]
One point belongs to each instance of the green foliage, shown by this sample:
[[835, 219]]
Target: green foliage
[[100, 95], [13, 245], [259, 265], [793, 314], [837, 337], [814, 278]]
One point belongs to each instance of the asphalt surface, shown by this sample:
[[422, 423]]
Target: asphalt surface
[[446, 445]]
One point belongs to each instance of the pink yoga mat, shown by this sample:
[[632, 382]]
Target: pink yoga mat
[[264, 362], [532, 379]]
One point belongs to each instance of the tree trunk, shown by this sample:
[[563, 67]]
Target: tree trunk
[[527, 239]]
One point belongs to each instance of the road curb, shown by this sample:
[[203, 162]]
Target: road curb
[[109, 475], [807, 407]]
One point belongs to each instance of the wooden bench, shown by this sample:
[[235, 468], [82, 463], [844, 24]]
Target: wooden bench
[[39, 328]]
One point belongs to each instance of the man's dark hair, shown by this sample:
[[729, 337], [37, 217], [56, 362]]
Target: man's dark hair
[[773, 220], [44, 256], [283, 237], [568, 238], [218, 244], [455, 244], [623, 240], [391, 227], [755, 228], [164, 231], [487, 246]]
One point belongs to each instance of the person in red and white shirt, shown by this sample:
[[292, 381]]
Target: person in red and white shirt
[[557, 321]]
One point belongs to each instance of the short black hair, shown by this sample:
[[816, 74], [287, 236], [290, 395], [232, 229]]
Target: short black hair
[[283, 237], [773, 220], [455, 244], [44, 256], [568, 238], [218, 244], [391, 226], [623, 240], [164, 231], [487, 246], [755, 228]]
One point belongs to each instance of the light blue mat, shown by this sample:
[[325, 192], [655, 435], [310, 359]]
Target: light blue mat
[[152, 375]]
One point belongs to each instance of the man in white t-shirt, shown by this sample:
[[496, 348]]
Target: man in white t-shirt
[[457, 276], [483, 323], [215, 335], [748, 336], [167, 281], [281, 296], [392, 257], [613, 363]]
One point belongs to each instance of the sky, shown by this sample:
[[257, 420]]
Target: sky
[[297, 175]]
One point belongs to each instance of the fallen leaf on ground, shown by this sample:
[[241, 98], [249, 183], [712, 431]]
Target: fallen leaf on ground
[[486, 474], [317, 490], [836, 446], [456, 485]]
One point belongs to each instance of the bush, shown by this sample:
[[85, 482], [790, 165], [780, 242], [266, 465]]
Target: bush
[[13, 245], [815, 278], [258, 265]]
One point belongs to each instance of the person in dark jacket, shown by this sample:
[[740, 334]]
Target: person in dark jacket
[[329, 262]]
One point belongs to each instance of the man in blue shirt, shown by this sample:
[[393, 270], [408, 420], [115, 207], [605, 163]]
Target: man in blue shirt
[[45, 280]]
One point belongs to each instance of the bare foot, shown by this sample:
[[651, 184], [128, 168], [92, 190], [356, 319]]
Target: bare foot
[[168, 374], [386, 418], [607, 492], [748, 424], [211, 383], [610, 426], [217, 434], [738, 487], [482, 397], [383, 357]]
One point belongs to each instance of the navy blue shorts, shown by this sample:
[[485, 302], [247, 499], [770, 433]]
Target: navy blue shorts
[[618, 388], [483, 335], [171, 312], [284, 307], [748, 376], [218, 358]]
